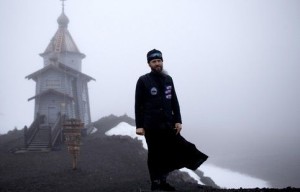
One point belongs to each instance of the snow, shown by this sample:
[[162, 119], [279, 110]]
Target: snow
[[94, 130], [226, 178], [192, 174], [222, 177], [125, 129]]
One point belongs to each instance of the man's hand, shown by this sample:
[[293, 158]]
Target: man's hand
[[178, 127], [140, 131]]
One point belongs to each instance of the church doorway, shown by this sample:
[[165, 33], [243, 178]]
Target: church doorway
[[52, 114]]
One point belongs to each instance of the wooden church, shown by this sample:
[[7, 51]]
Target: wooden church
[[61, 90]]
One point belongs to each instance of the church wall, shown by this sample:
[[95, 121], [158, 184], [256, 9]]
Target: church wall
[[51, 80], [60, 82], [50, 105], [71, 60], [66, 84], [86, 104], [82, 100], [56, 80], [67, 108], [36, 107]]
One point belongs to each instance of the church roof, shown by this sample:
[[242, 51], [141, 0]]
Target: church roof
[[61, 68], [62, 41], [51, 91]]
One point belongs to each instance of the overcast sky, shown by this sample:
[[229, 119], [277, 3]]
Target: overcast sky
[[235, 63]]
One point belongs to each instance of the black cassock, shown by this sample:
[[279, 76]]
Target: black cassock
[[157, 110], [168, 152]]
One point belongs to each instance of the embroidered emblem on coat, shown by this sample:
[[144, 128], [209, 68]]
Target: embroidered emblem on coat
[[168, 92], [153, 91]]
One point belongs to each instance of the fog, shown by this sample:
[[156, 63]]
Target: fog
[[235, 66]]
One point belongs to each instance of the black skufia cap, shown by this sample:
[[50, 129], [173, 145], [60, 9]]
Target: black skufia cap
[[154, 54]]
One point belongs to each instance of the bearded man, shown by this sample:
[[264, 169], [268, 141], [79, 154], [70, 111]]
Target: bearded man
[[158, 118]]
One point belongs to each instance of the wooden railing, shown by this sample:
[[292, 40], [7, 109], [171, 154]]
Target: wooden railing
[[56, 131], [29, 133]]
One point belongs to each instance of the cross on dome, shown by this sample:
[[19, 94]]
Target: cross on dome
[[63, 4], [63, 19]]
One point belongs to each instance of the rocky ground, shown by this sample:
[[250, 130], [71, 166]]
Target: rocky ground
[[112, 164]]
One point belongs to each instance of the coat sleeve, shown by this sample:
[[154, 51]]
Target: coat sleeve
[[139, 103], [175, 106]]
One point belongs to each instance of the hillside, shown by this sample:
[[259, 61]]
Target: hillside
[[116, 163]]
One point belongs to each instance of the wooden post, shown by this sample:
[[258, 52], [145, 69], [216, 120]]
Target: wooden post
[[72, 133], [74, 163]]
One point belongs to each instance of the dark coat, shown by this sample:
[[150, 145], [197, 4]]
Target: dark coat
[[156, 102], [157, 110]]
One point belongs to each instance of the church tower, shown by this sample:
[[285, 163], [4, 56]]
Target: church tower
[[61, 87]]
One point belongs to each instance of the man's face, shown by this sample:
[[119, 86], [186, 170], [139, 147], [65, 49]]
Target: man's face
[[156, 65]]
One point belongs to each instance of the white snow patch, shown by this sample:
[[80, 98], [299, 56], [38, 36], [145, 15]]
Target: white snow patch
[[192, 174], [125, 129], [229, 179], [94, 130]]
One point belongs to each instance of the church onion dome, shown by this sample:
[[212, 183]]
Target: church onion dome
[[62, 41], [63, 20]]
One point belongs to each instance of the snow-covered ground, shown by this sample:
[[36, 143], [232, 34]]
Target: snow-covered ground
[[222, 177]]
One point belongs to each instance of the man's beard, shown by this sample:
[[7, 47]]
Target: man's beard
[[159, 70]]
